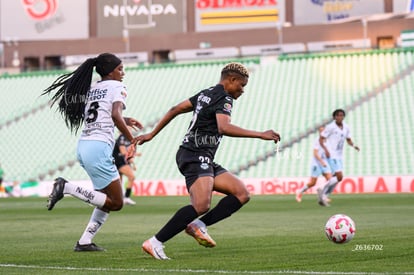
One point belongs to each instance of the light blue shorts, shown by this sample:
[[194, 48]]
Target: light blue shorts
[[317, 170], [336, 165], [96, 158]]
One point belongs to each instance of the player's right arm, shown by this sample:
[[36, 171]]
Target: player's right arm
[[318, 157], [183, 107], [322, 138]]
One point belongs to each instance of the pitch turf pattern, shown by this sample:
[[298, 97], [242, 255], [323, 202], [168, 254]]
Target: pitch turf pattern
[[270, 235]]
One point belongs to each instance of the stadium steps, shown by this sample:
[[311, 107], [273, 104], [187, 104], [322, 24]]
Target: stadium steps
[[289, 96], [274, 163]]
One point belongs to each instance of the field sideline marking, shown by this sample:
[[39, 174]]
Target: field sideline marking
[[200, 270]]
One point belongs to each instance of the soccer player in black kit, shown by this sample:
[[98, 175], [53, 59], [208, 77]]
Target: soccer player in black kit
[[195, 159]]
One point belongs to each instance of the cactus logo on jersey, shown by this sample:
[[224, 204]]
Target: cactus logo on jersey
[[40, 9]]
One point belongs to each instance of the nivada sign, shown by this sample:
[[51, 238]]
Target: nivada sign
[[216, 15], [139, 17]]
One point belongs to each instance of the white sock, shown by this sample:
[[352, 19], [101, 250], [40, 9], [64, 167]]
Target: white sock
[[98, 218], [304, 189], [330, 185], [90, 196], [155, 241], [199, 223]]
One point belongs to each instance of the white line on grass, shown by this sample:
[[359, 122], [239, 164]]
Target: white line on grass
[[199, 270]]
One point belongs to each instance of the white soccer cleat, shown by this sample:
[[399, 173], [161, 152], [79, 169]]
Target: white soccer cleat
[[298, 196], [155, 249], [129, 201], [322, 198]]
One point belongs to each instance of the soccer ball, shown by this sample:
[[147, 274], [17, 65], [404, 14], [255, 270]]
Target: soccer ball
[[340, 229]]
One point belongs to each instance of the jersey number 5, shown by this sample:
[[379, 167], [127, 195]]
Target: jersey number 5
[[92, 112]]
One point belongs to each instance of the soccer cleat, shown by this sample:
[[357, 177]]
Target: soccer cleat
[[57, 192], [322, 198], [200, 234], [87, 247], [129, 201], [155, 250], [298, 196]]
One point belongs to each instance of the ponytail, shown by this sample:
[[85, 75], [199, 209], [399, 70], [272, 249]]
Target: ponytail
[[71, 92], [72, 88]]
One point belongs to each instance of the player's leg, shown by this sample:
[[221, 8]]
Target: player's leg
[[200, 192], [99, 216], [237, 196], [129, 173], [96, 158], [337, 168], [199, 183], [310, 184], [333, 164]]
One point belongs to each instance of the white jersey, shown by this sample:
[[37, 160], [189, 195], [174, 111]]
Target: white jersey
[[98, 123], [321, 153], [335, 138]]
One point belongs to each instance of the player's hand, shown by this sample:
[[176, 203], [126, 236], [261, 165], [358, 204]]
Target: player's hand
[[135, 124], [270, 135], [356, 148], [327, 154], [131, 150], [143, 138]]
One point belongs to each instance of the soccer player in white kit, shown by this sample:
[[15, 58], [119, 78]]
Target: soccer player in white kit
[[98, 107], [319, 166], [335, 133]]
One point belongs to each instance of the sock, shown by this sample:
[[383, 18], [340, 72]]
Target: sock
[[98, 218], [225, 208], [177, 223], [306, 187], [128, 193], [156, 241], [90, 196], [330, 186]]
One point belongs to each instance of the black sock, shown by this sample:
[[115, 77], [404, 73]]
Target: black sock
[[177, 223], [127, 192], [225, 207]]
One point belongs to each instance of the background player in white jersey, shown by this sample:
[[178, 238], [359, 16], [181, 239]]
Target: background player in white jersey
[[335, 133], [319, 166], [99, 108]]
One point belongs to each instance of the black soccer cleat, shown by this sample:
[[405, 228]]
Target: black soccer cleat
[[87, 247], [57, 192]]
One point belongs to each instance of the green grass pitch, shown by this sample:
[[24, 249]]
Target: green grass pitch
[[269, 235]]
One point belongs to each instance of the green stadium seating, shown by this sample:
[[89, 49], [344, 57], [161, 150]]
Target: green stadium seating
[[293, 95]]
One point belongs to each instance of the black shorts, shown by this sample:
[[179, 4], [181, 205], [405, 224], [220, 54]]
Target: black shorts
[[196, 164], [120, 161]]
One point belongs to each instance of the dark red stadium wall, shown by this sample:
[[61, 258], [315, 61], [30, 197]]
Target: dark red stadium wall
[[191, 39]]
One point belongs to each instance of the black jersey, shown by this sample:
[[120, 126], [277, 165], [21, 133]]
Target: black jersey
[[202, 134], [120, 141]]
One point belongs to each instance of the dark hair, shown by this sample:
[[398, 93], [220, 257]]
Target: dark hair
[[338, 111], [234, 67], [72, 88]]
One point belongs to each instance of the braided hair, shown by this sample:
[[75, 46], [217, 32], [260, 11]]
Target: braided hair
[[234, 67], [72, 88]]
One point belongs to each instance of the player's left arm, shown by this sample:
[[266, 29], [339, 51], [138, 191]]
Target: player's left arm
[[225, 127], [351, 143]]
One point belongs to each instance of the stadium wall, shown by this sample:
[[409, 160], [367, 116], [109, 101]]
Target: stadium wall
[[256, 186], [191, 39]]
